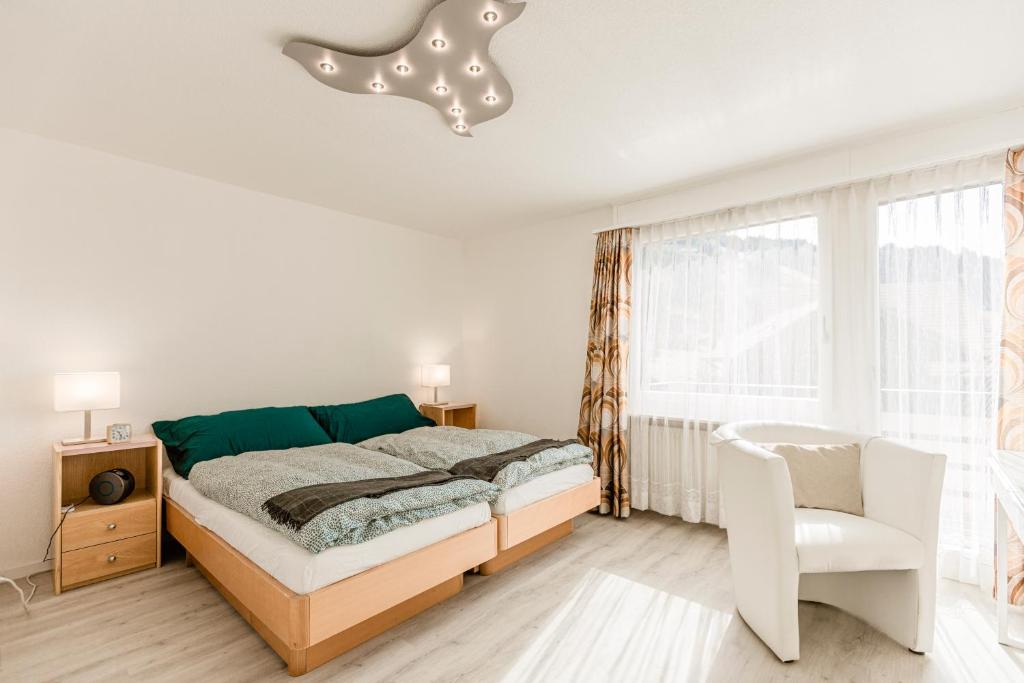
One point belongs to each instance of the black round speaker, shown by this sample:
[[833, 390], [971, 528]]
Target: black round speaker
[[112, 486]]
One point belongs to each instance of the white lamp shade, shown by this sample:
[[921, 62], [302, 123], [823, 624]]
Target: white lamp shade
[[86, 391], [436, 376]]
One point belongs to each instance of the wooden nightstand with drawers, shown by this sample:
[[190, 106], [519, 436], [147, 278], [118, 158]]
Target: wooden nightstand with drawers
[[98, 542]]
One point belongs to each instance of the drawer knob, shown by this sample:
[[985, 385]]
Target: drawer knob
[[111, 558], [112, 526]]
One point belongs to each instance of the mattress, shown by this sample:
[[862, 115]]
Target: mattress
[[542, 487], [293, 565]]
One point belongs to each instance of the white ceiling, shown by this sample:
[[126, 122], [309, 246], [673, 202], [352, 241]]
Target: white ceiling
[[612, 98]]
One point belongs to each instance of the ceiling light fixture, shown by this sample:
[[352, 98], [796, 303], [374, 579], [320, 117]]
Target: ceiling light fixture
[[451, 50]]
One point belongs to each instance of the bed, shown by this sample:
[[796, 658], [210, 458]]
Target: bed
[[309, 607], [312, 597], [540, 512], [529, 515]]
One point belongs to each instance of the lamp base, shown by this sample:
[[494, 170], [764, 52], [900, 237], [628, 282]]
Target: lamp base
[[83, 440], [87, 436], [435, 405]]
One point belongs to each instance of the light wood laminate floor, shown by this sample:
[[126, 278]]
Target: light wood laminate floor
[[648, 599]]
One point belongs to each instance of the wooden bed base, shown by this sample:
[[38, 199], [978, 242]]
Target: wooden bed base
[[308, 630], [530, 528]]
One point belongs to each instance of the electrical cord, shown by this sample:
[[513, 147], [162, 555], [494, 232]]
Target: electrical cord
[[21, 593], [46, 555]]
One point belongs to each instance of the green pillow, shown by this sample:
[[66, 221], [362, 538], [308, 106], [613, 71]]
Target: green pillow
[[191, 440], [355, 422]]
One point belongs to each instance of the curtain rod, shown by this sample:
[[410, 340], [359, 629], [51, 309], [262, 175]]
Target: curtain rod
[[598, 231], [615, 222]]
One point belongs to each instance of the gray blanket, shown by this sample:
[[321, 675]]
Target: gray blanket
[[298, 506], [244, 482], [441, 448], [486, 467]]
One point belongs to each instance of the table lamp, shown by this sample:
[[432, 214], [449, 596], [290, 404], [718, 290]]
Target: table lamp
[[436, 376], [86, 391]]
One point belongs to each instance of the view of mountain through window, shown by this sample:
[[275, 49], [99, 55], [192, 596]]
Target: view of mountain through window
[[732, 315]]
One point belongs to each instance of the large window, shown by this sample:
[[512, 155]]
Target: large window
[[729, 322], [940, 284], [940, 272], [874, 307]]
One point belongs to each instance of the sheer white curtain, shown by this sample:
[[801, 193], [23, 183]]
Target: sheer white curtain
[[726, 326], [873, 307], [940, 291]]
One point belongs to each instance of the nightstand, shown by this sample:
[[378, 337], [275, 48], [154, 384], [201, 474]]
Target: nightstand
[[98, 542], [451, 414]]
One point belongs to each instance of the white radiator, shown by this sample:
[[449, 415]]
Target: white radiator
[[674, 468]]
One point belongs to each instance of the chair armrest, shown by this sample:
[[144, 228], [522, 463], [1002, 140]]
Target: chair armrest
[[758, 495], [903, 488]]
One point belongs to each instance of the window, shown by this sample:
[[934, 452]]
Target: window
[[874, 307], [730, 323], [940, 286], [940, 273]]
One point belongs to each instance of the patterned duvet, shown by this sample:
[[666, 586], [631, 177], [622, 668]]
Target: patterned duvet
[[442, 447], [243, 482]]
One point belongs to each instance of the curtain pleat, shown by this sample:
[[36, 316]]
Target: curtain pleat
[[1011, 349], [603, 424]]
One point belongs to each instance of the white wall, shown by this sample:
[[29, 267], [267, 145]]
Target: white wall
[[204, 296], [525, 326]]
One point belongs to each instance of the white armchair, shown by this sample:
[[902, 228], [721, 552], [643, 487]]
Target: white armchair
[[880, 567]]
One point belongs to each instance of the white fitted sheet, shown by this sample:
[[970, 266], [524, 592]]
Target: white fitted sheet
[[296, 567], [542, 487]]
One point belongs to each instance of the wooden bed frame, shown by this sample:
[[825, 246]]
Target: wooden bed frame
[[530, 528], [309, 630]]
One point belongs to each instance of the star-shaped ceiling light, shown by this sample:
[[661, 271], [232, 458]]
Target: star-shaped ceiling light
[[446, 65]]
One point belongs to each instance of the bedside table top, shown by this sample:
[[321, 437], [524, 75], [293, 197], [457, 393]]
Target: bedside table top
[[104, 447]]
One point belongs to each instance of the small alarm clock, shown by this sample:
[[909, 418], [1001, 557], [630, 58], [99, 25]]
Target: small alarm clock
[[119, 432], [112, 486]]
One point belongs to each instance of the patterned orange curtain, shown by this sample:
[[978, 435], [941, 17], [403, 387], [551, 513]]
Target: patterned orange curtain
[[1011, 357], [603, 420]]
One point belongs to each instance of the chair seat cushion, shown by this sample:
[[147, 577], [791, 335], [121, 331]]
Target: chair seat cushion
[[829, 541]]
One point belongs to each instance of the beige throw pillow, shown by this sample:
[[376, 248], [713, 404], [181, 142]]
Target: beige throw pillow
[[825, 477]]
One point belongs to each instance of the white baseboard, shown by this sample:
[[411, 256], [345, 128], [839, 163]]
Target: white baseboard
[[26, 570]]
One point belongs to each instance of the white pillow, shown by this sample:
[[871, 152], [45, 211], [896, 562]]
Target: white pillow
[[826, 477]]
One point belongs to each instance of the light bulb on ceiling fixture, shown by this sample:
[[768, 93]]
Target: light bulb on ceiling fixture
[[474, 69], [440, 90], [402, 69], [456, 110], [490, 99], [326, 67], [490, 17], [438, 43], [460, 126], [377, 85]]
